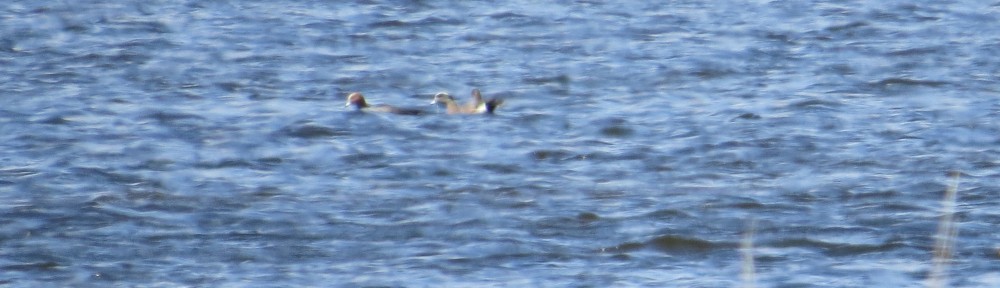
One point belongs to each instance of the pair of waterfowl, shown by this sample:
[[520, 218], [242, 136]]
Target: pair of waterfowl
[[443, 100]]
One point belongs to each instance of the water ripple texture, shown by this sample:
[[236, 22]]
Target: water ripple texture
[[206, 143]]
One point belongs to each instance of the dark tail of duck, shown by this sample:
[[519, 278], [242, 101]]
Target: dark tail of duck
[[492, 105]]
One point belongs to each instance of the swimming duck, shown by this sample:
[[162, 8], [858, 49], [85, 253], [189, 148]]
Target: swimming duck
[[476, 106], [357, 101]]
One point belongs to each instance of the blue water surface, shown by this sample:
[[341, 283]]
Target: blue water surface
[[205, 143]]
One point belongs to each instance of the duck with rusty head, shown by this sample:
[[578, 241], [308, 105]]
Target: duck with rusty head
[[357, 101]]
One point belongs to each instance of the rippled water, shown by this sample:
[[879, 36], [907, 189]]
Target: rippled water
[[204, 143]]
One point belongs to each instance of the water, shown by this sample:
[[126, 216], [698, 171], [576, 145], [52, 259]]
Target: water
[[172, 143]]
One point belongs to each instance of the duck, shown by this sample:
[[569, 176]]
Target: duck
[[357, 101], [476, 106]]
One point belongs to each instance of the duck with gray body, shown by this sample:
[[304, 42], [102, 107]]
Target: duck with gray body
[[357, 101]]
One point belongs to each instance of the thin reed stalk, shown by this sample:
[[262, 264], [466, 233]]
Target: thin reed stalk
[[748, 271], [944, 239]]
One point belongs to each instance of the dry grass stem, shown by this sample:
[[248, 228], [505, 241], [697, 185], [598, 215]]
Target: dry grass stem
[[944, 239]]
